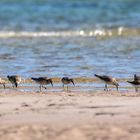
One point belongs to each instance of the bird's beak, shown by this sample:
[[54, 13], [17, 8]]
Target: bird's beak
[[52, 83], [72, 82]]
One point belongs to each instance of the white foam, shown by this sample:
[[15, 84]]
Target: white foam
[[95, 32]]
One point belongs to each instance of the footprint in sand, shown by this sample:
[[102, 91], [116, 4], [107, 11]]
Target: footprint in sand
[[25, 105], [51, 104], [107, 113]]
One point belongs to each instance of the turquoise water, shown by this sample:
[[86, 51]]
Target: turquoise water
[[46, 15], [76, 38]]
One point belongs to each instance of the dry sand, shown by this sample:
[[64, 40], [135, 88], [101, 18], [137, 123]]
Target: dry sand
[[69, 116]]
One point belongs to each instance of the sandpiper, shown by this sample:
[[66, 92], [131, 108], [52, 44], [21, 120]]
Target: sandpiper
[[66, 81], [2, 82], [108, 80], [14, 79], [135, 82], [136, 78], [43, 81]]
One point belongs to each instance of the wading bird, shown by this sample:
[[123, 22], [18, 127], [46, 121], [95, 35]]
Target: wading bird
[[135, 82], [67, 81], [15, 80], [108, 80], [43, 81]]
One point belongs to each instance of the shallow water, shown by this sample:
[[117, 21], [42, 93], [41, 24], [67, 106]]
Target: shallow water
[[69, 56], [75, 38]]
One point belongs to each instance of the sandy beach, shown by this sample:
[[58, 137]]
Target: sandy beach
[[72, 115]]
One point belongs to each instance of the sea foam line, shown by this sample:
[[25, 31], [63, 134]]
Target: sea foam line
[[121, 31]]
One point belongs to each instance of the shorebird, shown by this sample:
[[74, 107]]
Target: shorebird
[[135, 82], [43, 81], [108, 80], [136, 78], [14, 79], [2, 82], [66, 81]]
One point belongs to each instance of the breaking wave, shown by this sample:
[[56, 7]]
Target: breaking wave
[[121, 31]]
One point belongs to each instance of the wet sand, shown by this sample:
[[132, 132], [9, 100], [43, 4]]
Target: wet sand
[[72, 115]]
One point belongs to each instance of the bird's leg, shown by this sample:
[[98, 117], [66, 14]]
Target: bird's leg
[[67, 87], [105, 87], [63, 87], [117, 88], [136, 88], [40, 88], [4, 86], [15, 85]]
